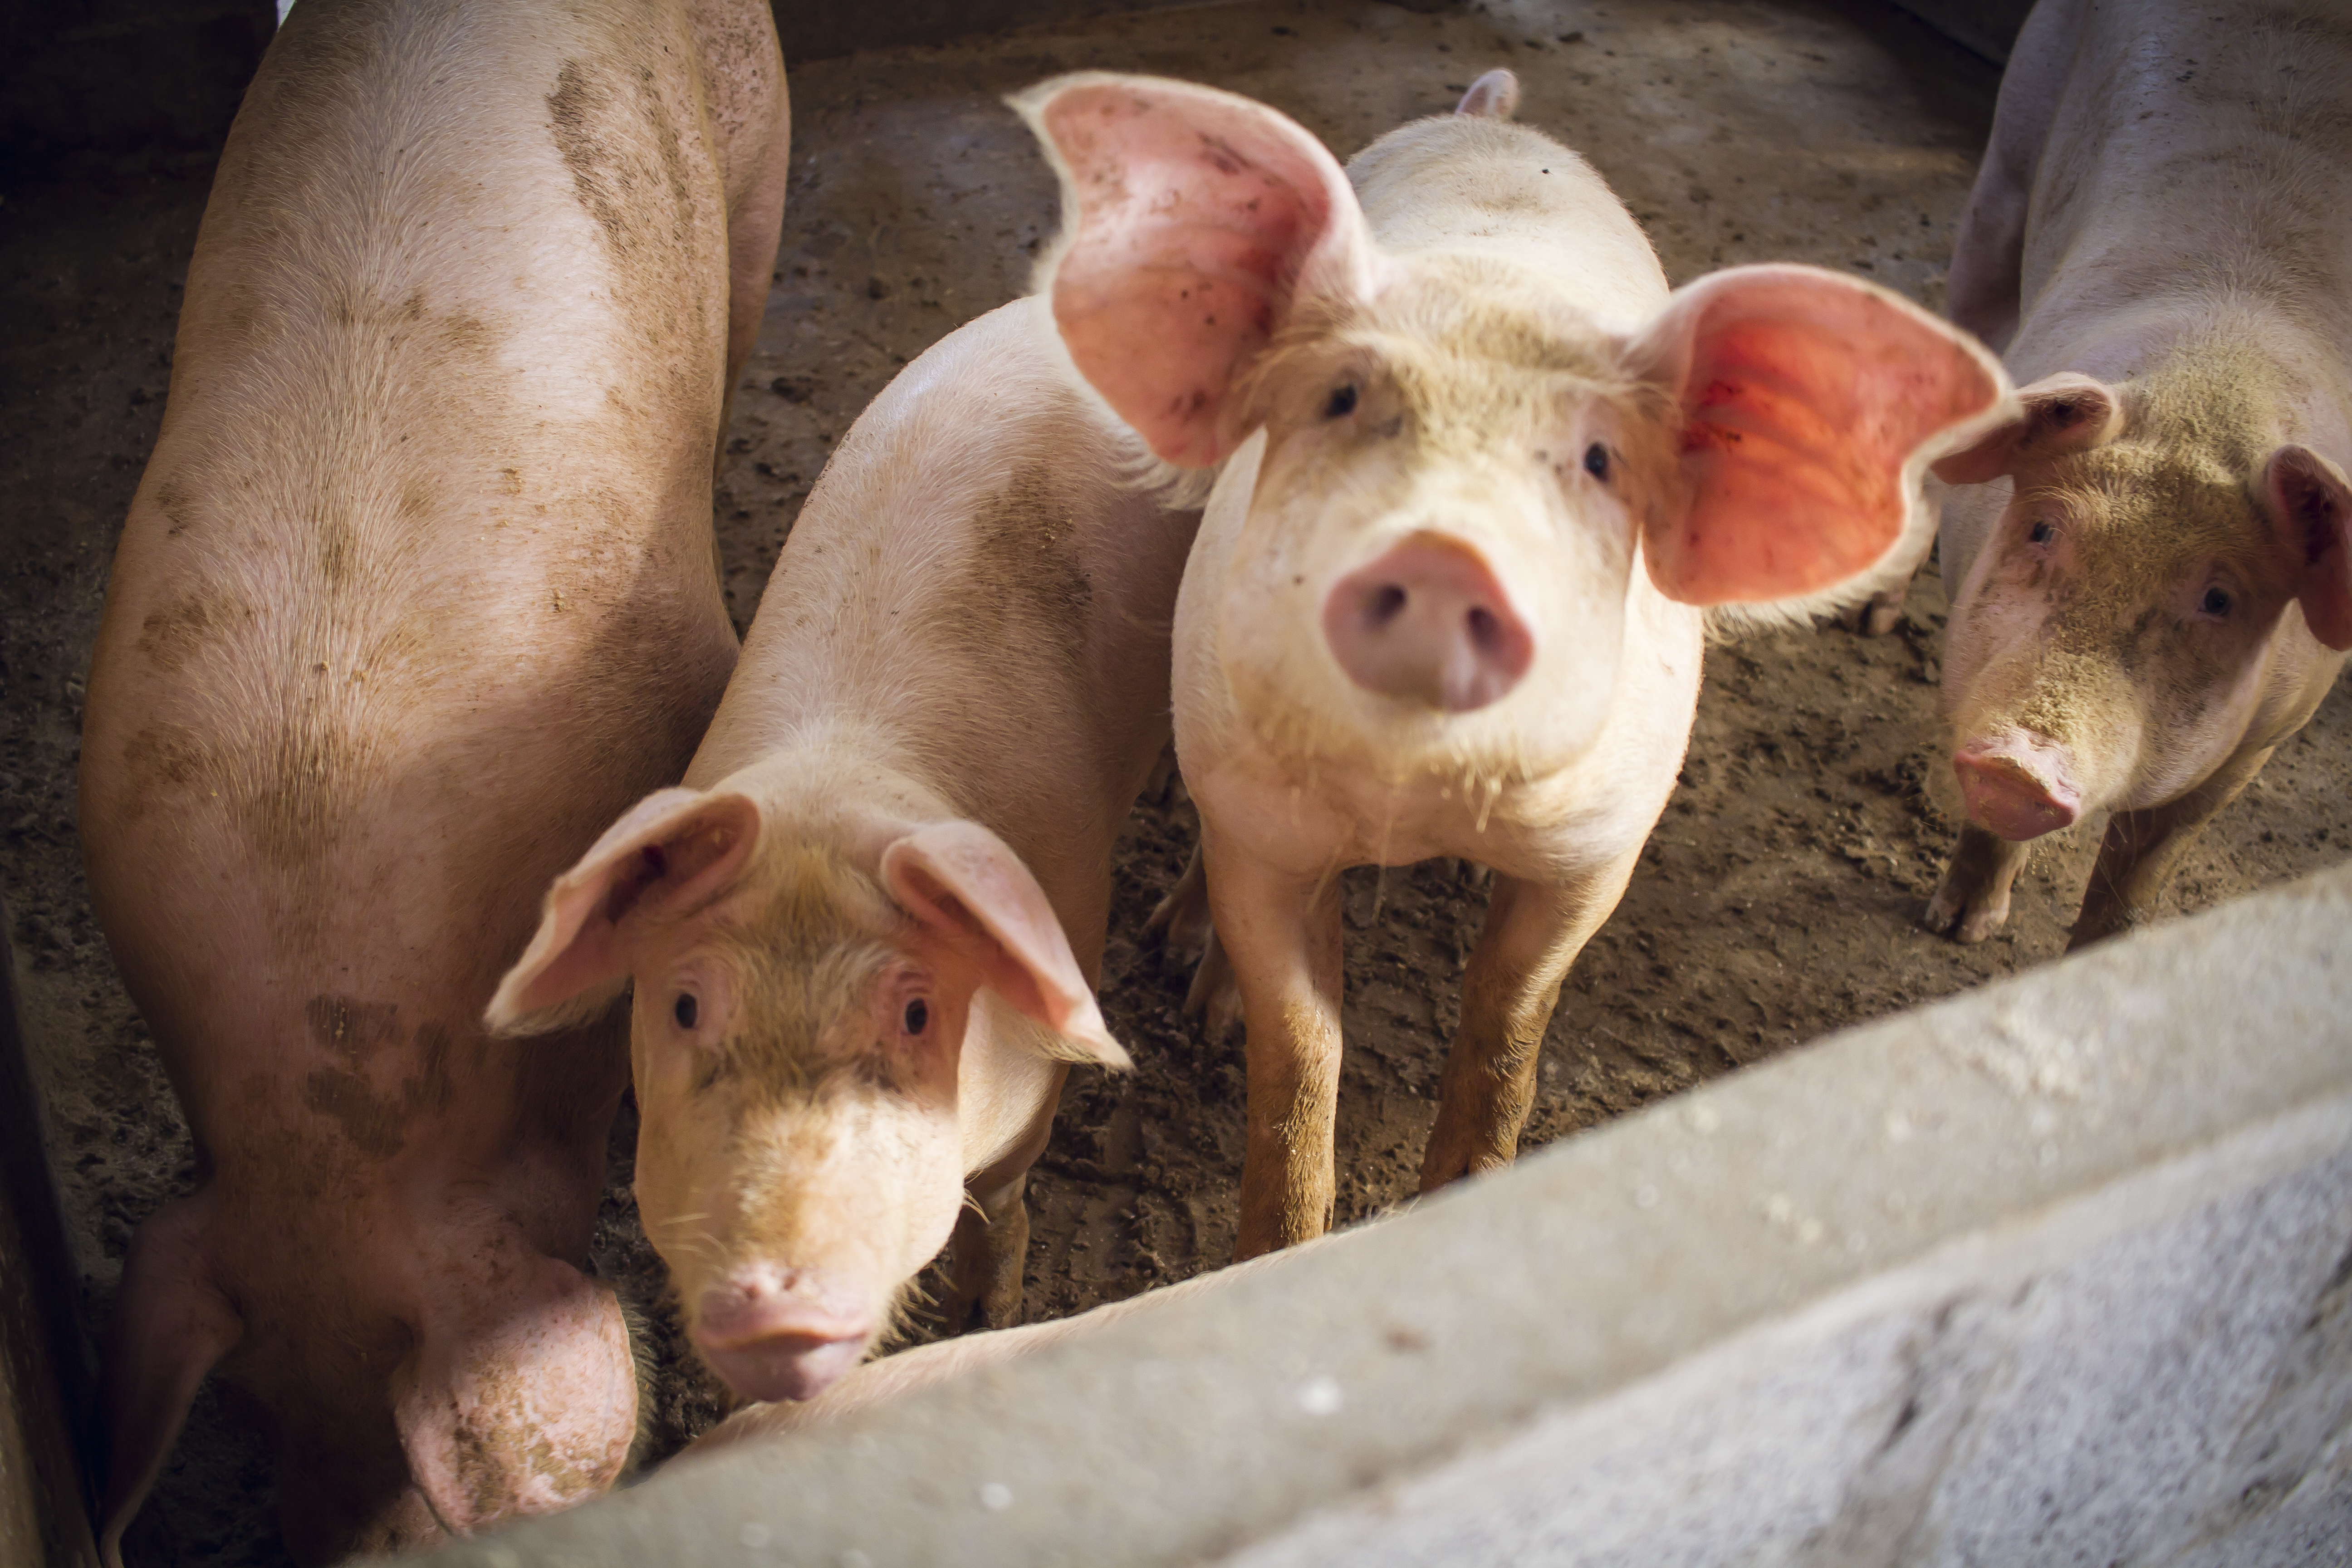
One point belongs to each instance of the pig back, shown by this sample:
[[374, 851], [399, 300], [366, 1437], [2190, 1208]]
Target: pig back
[[416, 591], [983, 580]]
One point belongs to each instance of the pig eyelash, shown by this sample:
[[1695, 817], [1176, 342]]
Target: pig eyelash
[[1343, 400]]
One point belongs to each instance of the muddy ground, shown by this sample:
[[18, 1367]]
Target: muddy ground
[[1776, 902]]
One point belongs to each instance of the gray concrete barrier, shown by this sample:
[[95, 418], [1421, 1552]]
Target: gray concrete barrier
[[2054, 1272]]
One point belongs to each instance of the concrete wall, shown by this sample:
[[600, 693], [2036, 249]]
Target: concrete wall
[[44, 1377], [2059, 1271]]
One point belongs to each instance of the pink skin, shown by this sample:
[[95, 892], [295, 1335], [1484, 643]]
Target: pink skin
[[1508, 565], [406, 610], [863, 938], [2148, 564], [2019, 786], [1428, 621]]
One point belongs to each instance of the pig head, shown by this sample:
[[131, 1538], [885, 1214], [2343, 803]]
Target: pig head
[[807, 995], [2155, 550]]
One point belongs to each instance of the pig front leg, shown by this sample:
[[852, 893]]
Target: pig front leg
[[990, 1249], [1973, 899], [1281, 934], [1532, 934], [2143, 848]]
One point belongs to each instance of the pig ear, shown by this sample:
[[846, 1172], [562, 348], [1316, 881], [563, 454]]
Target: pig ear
[[1806, 404], [967, 889], [2057, 415], [1494, 96], [524, 1409], [1195, 224], [173, 1325], [676, 851], [2310, 505]]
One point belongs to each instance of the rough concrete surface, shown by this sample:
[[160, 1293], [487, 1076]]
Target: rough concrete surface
[[1777, 900], [2057, 1273]]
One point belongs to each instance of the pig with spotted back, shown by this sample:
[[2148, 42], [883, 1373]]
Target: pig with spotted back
[[416, 593], [1483, 478], [2151, 579], [864, 938]]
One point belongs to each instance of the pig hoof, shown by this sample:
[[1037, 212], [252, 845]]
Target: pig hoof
[[1964, 916], [1873, 617]]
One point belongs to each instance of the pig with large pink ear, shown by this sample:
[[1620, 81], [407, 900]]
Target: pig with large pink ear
[[2150, 564], [863, 940], [416, 593], [1484, 481]]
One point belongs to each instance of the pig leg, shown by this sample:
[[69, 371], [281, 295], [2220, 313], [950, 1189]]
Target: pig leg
[[1281, 934], [2143, 848], [1973, 899], [990, 1246], [1532, 934], [1182, 921]]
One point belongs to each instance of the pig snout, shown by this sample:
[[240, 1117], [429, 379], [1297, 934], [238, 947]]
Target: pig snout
[[2019, 786], [1429, 622], [783, 1333]]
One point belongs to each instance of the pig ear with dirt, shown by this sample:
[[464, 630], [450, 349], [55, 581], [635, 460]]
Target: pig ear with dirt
[[2057, 417], [1806, 405], [1204, 223], [674, 852]]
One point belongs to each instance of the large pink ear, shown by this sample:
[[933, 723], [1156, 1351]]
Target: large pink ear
[[2311, 506], [520, 1402], [1809, 403], [1195, 223], [173, 1325], [968, 888], [2056, 415], [676, 851]]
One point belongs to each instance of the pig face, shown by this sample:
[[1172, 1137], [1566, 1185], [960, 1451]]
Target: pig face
[[1461, 466], [797, 1028], [1444, 510], [2111, 644]]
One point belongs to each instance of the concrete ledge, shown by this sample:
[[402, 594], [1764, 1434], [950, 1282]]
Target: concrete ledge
[[2057, 1271]]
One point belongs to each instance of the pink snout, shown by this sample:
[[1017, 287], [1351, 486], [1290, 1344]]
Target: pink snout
[[1429, 623], [782, 1333], [2019, 787]]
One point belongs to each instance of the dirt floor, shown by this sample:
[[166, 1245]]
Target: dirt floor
[[1777, 900]]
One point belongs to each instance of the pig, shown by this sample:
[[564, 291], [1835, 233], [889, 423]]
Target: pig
[[1484, 481], [2151, 587], [417, 590], [864, 936]]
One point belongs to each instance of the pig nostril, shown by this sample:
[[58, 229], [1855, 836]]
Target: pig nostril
[[1485, 630], [1387, 602]]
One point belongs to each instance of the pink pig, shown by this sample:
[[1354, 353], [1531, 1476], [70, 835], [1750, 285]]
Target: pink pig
[[864, 938], [416, 593], [2151, 572], [1483, 478]]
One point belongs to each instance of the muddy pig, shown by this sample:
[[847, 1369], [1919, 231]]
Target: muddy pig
[[416, 593], [864, 938], [2151, 586], [1484, 477]]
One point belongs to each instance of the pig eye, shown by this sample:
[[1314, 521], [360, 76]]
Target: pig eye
[[2216, 602], [685, 1010], [1596, 461], [917, 1017], [2040, 533], [1342, 402]]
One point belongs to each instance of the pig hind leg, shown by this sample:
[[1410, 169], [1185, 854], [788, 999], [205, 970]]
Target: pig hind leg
[[2143, 848], [1183, 923], [1282, 934], [1973, 900], [1532, 934]]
